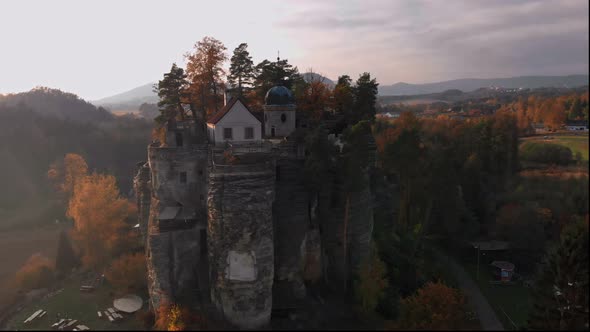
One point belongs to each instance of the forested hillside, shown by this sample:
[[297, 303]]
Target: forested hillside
[[39, 127]]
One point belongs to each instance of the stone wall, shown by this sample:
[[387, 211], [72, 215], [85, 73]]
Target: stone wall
[[240, 242], [173, 261], [166, 164]]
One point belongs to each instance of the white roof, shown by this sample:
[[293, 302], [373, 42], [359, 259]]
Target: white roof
[[169, 212], [128, 303]]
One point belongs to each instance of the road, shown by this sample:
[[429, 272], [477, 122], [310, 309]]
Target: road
[[487, 317]]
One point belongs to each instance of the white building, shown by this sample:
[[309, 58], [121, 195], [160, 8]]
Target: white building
[[577, 126], [234, 123], [279, 112]]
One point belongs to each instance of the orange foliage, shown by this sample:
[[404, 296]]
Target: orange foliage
[[68, 172], [37, 272], [128, 273], [315, 99], [173, 317], [434, 307], [99, 214]]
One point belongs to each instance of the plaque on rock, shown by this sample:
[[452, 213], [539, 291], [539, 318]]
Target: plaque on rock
[[241, 266]]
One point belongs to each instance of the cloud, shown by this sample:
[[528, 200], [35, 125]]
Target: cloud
[[435, 40]]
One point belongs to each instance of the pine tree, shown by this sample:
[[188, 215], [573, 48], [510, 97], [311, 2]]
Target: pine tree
[[561, 292], [365, 94], [171, 91], [241, 71], [66, 258]]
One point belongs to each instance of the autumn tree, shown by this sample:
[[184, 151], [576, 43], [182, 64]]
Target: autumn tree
[[66, 173], [172, 92], [174, 317], [315, 97], [100, 217], [241, 71], [561, 291], [434, 307], [205, 74], [37, 272], [128, 273]]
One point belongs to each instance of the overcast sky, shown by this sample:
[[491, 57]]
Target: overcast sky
[[99, 48]]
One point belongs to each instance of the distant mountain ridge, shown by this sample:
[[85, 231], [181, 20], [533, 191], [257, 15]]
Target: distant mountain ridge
[[130, 99], [471, 84]]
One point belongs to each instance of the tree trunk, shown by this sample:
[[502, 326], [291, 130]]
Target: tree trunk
[[345, 238]]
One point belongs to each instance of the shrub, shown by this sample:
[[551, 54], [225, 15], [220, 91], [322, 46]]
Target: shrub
[[434, 307], [546, 153], [173, 317], [372, 283], [128, 273], [37, 272]]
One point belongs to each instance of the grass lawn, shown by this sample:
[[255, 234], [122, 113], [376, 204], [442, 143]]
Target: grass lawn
[[577, 143], [515, 300], [71, 303]]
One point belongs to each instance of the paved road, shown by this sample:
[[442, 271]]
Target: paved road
[[487, 317]]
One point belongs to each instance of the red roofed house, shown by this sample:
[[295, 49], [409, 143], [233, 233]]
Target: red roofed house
[[234, 123]]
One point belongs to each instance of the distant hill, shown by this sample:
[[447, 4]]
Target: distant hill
[[129, 100], [308, 77], [471, 84], [53, 102]]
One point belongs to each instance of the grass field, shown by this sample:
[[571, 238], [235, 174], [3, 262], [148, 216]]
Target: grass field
[[577, 143], [511, 303], [71, 303]]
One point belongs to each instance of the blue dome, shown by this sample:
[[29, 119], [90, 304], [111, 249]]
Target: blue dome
[[279, 95]]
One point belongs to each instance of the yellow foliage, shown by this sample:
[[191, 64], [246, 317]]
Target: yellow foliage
[[37, 272], [128, 272], [99, 215]]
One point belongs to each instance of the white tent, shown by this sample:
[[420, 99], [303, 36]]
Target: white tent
[[128, 303]]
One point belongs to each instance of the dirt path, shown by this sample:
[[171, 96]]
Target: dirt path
[[487, 317]]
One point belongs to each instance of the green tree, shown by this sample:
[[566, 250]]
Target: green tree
[[576, 110], [171, 90], [561, 291], [344, 96], [279, 72], [355, 159], [241, 70], [66, 258], [365, 93], [372, 282]]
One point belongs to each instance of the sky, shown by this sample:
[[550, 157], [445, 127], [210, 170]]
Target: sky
[[99, 48]]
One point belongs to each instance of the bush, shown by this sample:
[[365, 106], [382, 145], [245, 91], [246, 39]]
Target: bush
[[434, 307], [37, 272], [173, 317], [546, 153], [128, 273]]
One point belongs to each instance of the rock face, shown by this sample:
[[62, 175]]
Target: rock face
[[240, 241], [291, 223], [143, 195], [237, 226], [173, 261]]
